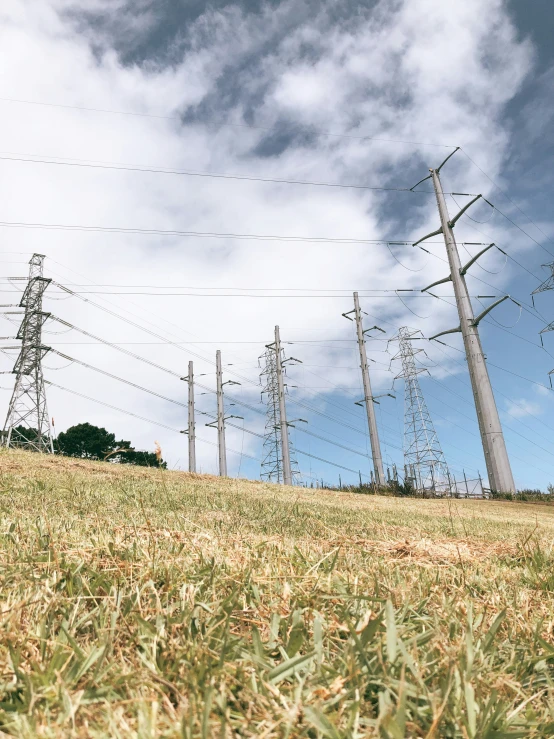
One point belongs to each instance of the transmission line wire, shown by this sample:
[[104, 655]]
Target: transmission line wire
[[184, 405], [220, 123], [205, 234], [91, 164], [142, 418], [504, 193]]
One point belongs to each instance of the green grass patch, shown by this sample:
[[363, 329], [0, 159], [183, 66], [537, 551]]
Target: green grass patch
[[146, 603]]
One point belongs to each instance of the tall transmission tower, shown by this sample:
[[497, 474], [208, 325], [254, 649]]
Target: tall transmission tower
[[278, 461], [423, 457], [272, 460], [548, 284], [492, 437], [28, 423]]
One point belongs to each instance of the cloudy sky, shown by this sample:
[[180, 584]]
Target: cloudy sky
[[347, 98]]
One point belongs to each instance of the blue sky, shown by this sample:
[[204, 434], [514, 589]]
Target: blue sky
[[371, 94]]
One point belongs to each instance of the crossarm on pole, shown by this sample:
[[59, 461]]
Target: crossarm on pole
[[480, 317], [472, 261], [442, 333], [435, 233], [438, 282], [460, 214]]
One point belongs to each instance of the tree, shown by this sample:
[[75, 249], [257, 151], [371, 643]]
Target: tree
[[143, 459], [87, 441]]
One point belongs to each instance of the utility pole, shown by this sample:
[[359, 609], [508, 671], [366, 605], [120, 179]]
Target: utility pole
[[191, 430], [285, 451], [28, 423], [368, 396], [220, 417], [492, 437]]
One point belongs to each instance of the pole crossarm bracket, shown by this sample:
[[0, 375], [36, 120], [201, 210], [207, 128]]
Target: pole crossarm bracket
[[481, 315], [374, 398], [383, 395], [347, 315], [438, 282], [420, 182], [472, 261], [443, 333], [438, 169], [550, 327], [456, 218], [296, 420], [382, 330], [424, 238]]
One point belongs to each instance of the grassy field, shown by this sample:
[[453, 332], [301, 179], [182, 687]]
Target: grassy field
[[143, 603]]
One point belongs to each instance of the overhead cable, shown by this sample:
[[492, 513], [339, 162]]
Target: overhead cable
[[90, 164], [204, 234], [219, 123]]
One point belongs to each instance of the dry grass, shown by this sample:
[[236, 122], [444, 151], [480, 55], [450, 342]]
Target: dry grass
[[141, 603]]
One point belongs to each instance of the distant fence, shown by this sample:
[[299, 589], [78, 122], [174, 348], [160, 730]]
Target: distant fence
[[469, 489]]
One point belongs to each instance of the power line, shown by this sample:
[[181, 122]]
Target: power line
[[203, 234], [496, 389], [142, 328], [90, 164], [349, 291], [503, 192], [184, 405], [268, 295], [142, 418], [220, 123]]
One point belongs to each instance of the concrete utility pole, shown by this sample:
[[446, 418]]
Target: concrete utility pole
[[287, 472], [368, 398], [494, 447], [192, 426], [220, 417], [191, 429]]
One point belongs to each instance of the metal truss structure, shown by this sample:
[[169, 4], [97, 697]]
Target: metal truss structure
[[272, 457], [425, 464], [28, 423]]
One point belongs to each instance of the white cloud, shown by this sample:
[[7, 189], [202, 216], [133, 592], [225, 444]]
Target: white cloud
[[522, 407], [420, 71]]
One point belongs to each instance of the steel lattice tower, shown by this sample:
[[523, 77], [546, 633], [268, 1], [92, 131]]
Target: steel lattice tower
[[272, 460], [28, 423], [548, 284], [423, 456]]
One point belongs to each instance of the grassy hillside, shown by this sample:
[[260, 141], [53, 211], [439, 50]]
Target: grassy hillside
[[141, 603]]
